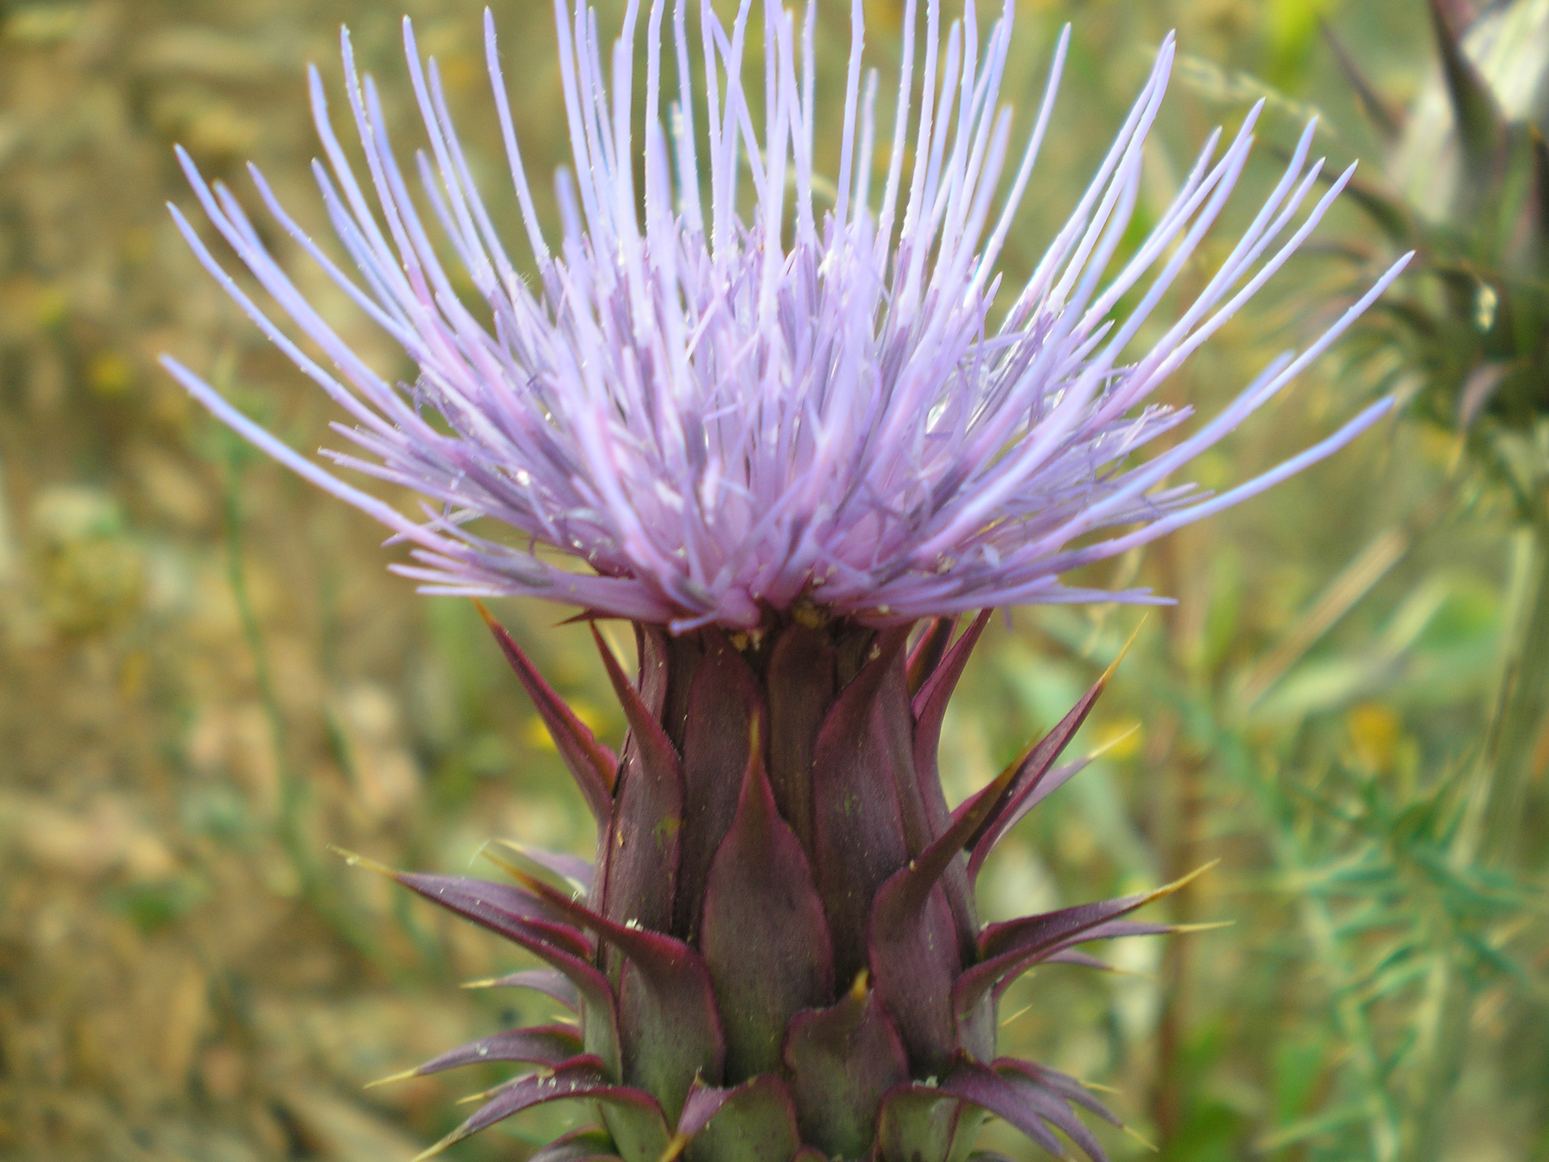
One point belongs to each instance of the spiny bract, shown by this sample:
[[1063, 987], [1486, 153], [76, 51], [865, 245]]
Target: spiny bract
[[778, 955]]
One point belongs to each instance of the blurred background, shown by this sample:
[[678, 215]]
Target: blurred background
[[207, 676]]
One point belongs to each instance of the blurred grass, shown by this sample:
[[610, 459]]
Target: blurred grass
[[210, 677]]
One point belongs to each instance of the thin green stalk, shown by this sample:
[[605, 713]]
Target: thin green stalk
[[1349, 1008], [1490, 835], [295, 794], [293, 789], [1444, 1026], [1508, 766]]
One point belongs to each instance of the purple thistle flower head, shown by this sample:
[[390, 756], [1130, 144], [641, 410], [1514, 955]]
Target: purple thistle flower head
[[729, 388], [741, 397]]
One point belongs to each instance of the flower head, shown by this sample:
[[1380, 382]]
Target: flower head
[[727, 400], [740, 395]]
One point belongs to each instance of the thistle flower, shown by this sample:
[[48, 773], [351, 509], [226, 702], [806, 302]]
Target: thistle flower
[[790, 436]]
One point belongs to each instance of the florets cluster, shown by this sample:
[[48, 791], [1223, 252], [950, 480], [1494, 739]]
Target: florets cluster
[[738, 388]]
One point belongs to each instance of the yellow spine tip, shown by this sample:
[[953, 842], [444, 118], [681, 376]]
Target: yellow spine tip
[[442, 1146], [861, 985], [1146, 1142], [1124, 650], [1205, 926], [392, 1079], [355, 859]]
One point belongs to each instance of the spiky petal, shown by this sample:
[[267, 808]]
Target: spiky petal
[[719, 412]]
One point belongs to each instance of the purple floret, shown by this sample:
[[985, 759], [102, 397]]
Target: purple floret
[[740, 389]]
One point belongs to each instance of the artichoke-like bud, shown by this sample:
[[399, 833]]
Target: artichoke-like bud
[[1469, 190], [776, 954]]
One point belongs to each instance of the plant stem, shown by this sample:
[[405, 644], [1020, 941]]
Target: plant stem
[[295, 793], [1510, 763], [1349, 1010], [1491, 831], [293, 788]]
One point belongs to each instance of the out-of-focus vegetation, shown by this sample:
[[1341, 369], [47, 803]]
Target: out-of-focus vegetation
[[208, 676]]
